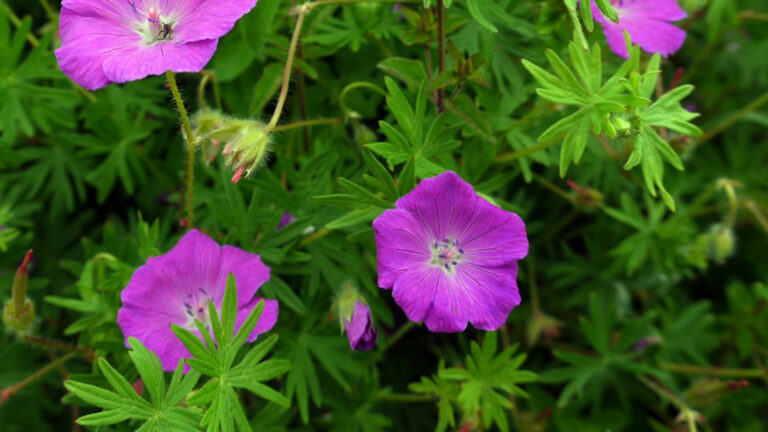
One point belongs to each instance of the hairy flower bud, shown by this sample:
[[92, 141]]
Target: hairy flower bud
[[19, 312], [245, 142]]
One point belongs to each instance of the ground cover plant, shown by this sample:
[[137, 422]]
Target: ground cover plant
[[351, 215]]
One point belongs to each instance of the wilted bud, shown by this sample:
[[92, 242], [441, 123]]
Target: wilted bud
[[542, 325], [586, 196], [708, 391], [19, 312], [357, 321], [245, 142]]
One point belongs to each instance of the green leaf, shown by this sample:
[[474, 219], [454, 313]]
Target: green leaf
[[477, 10], [150, 369]]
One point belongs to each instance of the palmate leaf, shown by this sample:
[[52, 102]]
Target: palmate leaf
[[29, 100], [489, 380], [215, 359], [593, 375], [122, 403]]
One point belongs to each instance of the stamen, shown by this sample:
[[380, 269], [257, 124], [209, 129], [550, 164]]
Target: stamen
[[153, 14]]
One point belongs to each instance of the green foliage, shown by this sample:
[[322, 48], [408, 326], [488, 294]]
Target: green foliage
[[161, 413]]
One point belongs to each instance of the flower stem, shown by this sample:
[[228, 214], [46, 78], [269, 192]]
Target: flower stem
[[87, 353], [713, 371], [307, 123], [317, 235], [509, 157], [8, 392], [733, 119], [396, 397], [440, 52], [399, 334], [189, 137], [356, 85], [303, 9], [685, 412]]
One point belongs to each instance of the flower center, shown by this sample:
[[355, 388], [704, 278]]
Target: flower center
[[197, 310], [153, 25], [446, 254]]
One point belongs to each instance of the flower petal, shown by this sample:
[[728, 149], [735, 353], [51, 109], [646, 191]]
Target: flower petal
[[401, 243], [494, 291], [250, 272], [208, 19], [444, 204], [86, 41], [494, 237], [266, 321], [139, 61], [415, 290]]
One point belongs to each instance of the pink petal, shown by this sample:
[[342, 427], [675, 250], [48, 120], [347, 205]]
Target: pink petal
[[415, 290], [495, 291], [266, 321], [401, 243], [250, 272], [139, 61]]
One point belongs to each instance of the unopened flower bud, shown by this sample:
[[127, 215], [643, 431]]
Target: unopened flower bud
[[723, 244], [707, 392], [246, 151], [622, 126], [356, 320], [19, 312], [243, 143]]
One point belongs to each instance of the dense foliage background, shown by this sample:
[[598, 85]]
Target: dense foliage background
[[633, 314]]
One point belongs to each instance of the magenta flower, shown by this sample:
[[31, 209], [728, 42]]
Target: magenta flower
[[361, 331], [450, 256], [175, 288], [285, 220], [648, 25], [106, 41]]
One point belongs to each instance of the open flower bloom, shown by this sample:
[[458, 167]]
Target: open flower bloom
[[648, 25], [106, 41], [450, 256], [361, 331], [175, 288]]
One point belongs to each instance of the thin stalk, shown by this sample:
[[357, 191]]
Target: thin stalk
[[509, 157], [405, 328], [312, 5], [440, 52], [307, 123], [289, 65], [535, 306], [396, 397], [49, 11], [9, 392], [757, 214], [551, 186], [189, 137], [714, 371], [353, 86], [752, 15], [687, 413], [201, 92], [317, 235], [733, 119], [87, 353]]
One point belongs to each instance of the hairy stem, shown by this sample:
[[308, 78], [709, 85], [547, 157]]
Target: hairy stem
[[714, 371], [509, 157], [307, 123], [733, 119], [288, 66], [396, 397], [87, 353], [189, 175], [440, 52], [9, 392]]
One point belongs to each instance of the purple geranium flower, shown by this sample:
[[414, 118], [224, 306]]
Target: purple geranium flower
[[175, 288], [361, 331], [124, 40], [648, 25], [450, 256], [285, 220]]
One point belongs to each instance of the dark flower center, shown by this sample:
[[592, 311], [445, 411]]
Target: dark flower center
[[196, 308]]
